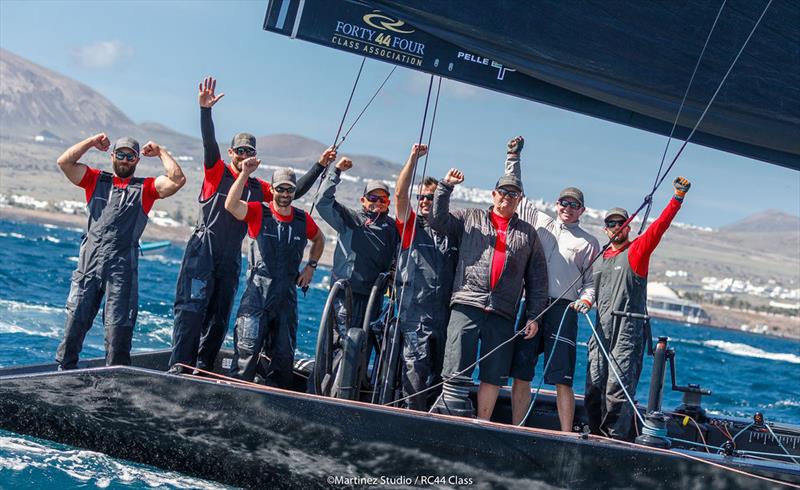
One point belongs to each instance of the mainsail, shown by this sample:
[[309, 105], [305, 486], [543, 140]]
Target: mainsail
[[626, 62]]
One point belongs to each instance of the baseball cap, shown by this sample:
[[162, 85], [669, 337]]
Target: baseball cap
[[509, 180], [244, 139], [375, 185], [127, 142], [616, 212], [284, 175], [572, 192]]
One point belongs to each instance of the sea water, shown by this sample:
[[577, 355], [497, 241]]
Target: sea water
[[746, 372]]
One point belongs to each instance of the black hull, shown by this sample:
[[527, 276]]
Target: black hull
[[263, 437]]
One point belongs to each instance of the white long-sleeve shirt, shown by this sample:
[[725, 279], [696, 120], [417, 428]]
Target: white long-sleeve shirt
[[568, 248]]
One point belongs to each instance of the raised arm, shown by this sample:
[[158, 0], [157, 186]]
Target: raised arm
[[168, 184], [305, 182], [441, 219], [401, 201], [234, 203], [68, 161], [206, 98], [336, 215], [527, 210]]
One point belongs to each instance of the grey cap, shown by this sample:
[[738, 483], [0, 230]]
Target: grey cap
[[127, 142], [244, 139], [375, 185], [572, 192], [284, 175], [509, 180], [616, 212]]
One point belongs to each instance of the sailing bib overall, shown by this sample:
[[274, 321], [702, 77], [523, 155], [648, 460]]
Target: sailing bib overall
[[267, 315], [107, 265], [424, 307], [209, 277], [619, 288]]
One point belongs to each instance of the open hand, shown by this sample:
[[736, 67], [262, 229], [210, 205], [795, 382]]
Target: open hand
[[419, 150], [101, 142], [206, 97], [530, 329], [344, 164], [151, 149], [249, 165], [515, 145], [304, 279], [454, 176], [327, 156]]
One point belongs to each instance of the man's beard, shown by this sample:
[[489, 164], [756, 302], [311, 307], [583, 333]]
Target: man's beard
[[622, 237], [122, 171], [283, 201]]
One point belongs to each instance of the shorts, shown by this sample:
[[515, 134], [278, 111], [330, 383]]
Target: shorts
[[467, 326], [562, 366]]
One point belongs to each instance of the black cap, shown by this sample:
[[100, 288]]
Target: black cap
[[616, 212], [126, 142], [243, 139], [509, 180]]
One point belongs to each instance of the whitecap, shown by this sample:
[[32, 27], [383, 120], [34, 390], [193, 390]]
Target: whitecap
[[52, 239], [745, 350], [15, 235], [22, 306]]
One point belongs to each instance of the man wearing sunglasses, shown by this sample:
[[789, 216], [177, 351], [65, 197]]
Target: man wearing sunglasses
[[499, 257], [621, 280], [117, 204], [367, 242], [569, 251], [209, 275], [267, 317], [425, 280]]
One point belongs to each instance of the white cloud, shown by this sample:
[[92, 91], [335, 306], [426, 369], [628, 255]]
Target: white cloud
[[102, 54]]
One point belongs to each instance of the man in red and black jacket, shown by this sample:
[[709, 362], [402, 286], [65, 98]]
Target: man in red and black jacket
[[117, 204], [209, 275], [621, 281]]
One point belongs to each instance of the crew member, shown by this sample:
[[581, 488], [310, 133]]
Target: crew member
[[117, 204], [209, 275], [499, 257], [267, 317], [425, 281], [569, 251], [621, 280], [368, 240]]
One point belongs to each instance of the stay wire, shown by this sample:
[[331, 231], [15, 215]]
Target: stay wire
[[347, 133], [680, 110]]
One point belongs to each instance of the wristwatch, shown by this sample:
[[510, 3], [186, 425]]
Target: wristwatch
[[312, 264]]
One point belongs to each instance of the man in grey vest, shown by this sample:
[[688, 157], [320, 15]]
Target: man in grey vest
[[569, 251], [117, 204], [424, 283], [621, 280]]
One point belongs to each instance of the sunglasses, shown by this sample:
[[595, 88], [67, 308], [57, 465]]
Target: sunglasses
[[243, 150], [569, 204], [121, 155], [613, 223], [424, 197], [373, 198], [507, 193], [285, 189]]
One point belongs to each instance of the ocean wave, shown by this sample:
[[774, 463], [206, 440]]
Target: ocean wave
[[745, 350], [9, 328], [88, 467], [52, 239], [161, 259], [22, 306]]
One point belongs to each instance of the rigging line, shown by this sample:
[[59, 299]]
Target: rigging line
[[793, 458], [338, 132], [680, 109], [347, 133], [713, 97]]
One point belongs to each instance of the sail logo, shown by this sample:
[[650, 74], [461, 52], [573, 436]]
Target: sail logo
[[480, 60], [383, 22], [378, 37]]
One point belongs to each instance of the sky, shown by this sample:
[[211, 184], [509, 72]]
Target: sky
[[148, 58]]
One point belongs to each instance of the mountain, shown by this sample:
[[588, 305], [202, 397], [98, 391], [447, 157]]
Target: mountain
[[33, 96], [767, 221]]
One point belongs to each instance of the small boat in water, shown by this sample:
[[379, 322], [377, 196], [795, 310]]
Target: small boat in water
[[663, 302]]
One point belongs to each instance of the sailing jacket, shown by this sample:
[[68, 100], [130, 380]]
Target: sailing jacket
[[524, 267]]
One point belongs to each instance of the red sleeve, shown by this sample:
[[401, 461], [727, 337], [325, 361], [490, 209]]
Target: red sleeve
[[149, 194], [406, 229], [266, 189], [642, 247], [212, 176], [254, 216], [311, 227], [89, 181]]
